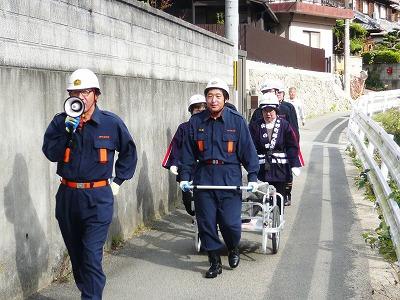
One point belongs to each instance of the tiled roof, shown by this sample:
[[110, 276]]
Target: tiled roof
[[374, 24]]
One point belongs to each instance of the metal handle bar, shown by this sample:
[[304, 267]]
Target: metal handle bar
[[226, 187], [218, 187]]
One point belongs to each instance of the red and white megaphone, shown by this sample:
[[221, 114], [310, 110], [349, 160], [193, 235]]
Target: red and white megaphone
[[74, 107]]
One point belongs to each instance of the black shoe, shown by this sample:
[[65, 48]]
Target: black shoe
[[288, 203], [215, 265], [234, 257]]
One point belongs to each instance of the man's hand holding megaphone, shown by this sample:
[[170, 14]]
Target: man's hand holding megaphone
[[71, 123], [74, 108]]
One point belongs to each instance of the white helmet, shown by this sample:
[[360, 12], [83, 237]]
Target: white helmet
[[281, 86], [269, 100], [196, 99], [217, 83], [83, 79], [269, 85]]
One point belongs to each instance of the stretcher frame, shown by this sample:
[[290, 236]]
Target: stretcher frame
[[269, 221]]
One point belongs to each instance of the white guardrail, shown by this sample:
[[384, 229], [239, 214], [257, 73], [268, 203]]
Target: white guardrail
[[368, 138]]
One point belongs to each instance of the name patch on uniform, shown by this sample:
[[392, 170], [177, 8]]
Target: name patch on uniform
[[104, 137], [231, 130]]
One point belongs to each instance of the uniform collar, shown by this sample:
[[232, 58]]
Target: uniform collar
[[207, 115], [96, 115]]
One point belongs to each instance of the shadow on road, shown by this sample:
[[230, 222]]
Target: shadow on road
[[304, 241], [168, 245]]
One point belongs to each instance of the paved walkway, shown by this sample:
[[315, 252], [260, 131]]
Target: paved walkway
[[322, 253]]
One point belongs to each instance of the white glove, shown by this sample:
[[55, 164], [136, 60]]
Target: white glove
[[252, 186], [173, 170], [296, 171], [185, 186], [114, 188]]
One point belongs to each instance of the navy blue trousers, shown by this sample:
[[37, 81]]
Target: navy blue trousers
[[84, 216], [223, 208]]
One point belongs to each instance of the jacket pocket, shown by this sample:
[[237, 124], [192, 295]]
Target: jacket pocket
[[230, 141], [201, 141], [104, 148]]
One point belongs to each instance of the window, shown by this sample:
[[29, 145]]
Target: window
[[375, 14], [312, 38], [365, 7], [382, 12]]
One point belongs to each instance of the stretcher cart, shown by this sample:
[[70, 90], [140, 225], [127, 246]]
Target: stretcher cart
[[260, 213]]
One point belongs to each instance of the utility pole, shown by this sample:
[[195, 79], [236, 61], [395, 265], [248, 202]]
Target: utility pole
[[346, 75], [347, 56], [232, 33]]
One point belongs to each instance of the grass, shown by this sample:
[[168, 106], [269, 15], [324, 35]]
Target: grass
[[379, 238]]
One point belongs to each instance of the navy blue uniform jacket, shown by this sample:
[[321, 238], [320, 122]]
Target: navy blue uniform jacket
[[225, 139], [93, 147], [173, 155]]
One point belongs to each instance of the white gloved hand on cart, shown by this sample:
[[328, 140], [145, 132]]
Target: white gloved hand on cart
[[296, 171], [252, 186], [173, 170], [115, 188], [185, 186]]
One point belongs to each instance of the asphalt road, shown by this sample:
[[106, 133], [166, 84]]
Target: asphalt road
[[321, 254]]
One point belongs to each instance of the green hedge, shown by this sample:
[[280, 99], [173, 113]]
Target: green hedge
[[381, 56], [390, 121]]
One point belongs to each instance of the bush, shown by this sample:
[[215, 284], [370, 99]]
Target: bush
[[373, 82], [357, 37], [381, 56], [390, 122]]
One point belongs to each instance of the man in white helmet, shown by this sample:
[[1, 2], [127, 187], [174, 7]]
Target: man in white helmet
[[172, 158], [218, 143], [83, 148]]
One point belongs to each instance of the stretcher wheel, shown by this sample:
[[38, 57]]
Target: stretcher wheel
[[275, 237], [264, 239], [197, 242]]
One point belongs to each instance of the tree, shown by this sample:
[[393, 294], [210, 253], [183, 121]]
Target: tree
[[160, 4], [391, 41], [357, 37]]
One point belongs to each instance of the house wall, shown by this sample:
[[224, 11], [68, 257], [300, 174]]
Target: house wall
[[293, 29], [321, 92], [148, 63], [296, 33], [355, 63]]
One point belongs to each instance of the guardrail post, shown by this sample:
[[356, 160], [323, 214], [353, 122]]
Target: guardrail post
[[361, 134], [370, 149], [385, 104], [384, 171]]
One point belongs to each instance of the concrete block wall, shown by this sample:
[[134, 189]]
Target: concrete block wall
[[148, 64], [390, 80], [320, 92]]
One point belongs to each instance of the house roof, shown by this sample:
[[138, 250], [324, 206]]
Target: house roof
[[312, 10], [262, 3], [374, 25], [267, 9]]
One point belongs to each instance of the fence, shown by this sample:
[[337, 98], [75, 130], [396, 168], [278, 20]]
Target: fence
[[378, 153], [264, 46]]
